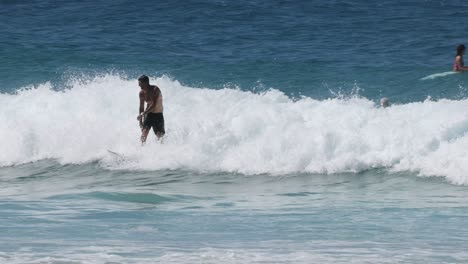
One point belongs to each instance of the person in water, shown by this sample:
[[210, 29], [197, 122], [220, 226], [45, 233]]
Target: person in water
[[384, 102], [459, 65], [152, 116]]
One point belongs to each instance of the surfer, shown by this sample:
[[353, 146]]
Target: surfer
[[459, 65], [152, 116]]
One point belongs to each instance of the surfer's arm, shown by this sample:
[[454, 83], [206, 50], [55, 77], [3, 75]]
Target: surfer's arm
[[148, 108], [141, 109]]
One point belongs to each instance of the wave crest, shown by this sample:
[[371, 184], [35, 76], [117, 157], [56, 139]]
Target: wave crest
[[233, 130]]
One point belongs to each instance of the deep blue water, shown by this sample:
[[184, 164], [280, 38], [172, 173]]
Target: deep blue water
[[276, 150], [298, 47]]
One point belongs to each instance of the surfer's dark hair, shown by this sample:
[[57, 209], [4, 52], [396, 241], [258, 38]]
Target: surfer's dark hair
[[460, 49], [143, 79]]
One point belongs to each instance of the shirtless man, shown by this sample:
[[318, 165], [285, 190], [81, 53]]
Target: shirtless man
[[152, 116]]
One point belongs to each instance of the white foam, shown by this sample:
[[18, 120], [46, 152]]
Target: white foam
[[233, 130], [307, 252]]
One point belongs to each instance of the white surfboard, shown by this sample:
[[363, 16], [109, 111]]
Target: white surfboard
[[117, 156], [437, 75]]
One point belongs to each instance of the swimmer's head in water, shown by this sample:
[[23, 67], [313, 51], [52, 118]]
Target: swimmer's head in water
[[384, 102]]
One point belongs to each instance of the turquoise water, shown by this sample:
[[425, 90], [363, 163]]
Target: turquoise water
[[276, 149], [90, 215]]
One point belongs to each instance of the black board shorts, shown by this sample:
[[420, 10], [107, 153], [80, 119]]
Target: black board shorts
[[156, 121]]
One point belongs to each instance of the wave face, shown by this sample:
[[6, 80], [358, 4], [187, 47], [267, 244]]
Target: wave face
[[232, 130]]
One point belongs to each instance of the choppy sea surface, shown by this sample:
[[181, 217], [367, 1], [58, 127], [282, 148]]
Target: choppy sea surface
[[276, 151]]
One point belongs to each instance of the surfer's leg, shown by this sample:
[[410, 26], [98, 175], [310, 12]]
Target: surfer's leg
[[158, 127], [144, 135], [160, 137], [147, 124]]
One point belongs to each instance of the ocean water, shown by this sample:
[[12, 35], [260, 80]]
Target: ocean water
[[276, 148]]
